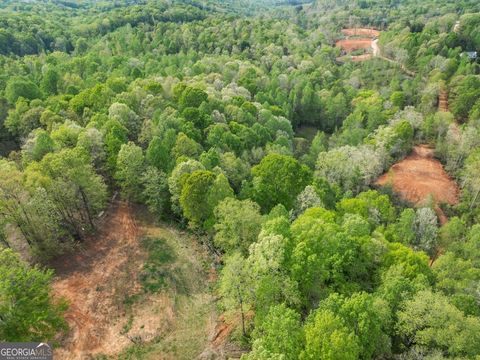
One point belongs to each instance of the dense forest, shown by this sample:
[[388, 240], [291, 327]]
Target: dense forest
[[236, 122]]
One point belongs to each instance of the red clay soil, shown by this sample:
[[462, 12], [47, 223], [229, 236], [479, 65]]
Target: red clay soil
[[361, 32], [363, 39], [350, 45], [95, 282], [420, 176], [443, 101]]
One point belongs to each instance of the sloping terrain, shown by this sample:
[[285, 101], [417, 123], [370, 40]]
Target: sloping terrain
[[111, 314], [420, 176], [95, 281]]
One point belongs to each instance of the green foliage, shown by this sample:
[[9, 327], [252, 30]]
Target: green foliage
[[413, 263], [466, 94], [458, 278], [327, 257], [158, 153], [235, 286], [200, 194], [429, 320], [20, 87], [373, 207], [327, 337], [115, 137], [181, 106], [156, 273], [186, 147], [237, 224], [155, 190], [27, 307], [130, 166], [367, 317], [95, 98], [279, 334], [192, 97], [39, 146], [278, 179]]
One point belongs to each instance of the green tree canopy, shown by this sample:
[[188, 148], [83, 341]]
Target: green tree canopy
[[278, 179], [28, 311]]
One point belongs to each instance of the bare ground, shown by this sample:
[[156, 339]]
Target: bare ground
[[419, 177], [95, 281], [110, 315], [443, 101], [363, 38], [361, 32], [350, 45]]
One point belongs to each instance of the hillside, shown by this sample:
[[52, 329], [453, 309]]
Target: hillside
[[205, 179]]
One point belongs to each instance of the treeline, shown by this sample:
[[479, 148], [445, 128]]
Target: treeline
[[46, 27], [246, 131]]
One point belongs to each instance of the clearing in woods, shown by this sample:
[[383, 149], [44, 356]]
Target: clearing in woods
[[420, 176], [356, 39], [111, 315]]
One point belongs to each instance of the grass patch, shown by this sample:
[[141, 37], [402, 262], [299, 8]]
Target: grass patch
[[157, 270], [162, 269], [127, 326]]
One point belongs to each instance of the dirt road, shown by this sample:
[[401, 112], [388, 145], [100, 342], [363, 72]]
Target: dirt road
[[443, 101], [369, 43]]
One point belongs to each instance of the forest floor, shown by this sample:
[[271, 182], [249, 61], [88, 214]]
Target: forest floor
[[420, 177], [112, 314]]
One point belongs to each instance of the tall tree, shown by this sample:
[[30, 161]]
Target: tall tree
[[278, 179], [27, 310], [201, 193], [130, 167], [238, 224]]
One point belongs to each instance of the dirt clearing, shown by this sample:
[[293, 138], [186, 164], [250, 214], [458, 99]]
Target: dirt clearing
[[361, 32], [112, 316], [356, 39], [350, 45], [420, 176], [95, 281]]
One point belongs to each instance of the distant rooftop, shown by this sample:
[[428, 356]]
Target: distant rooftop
[[470, 54]]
